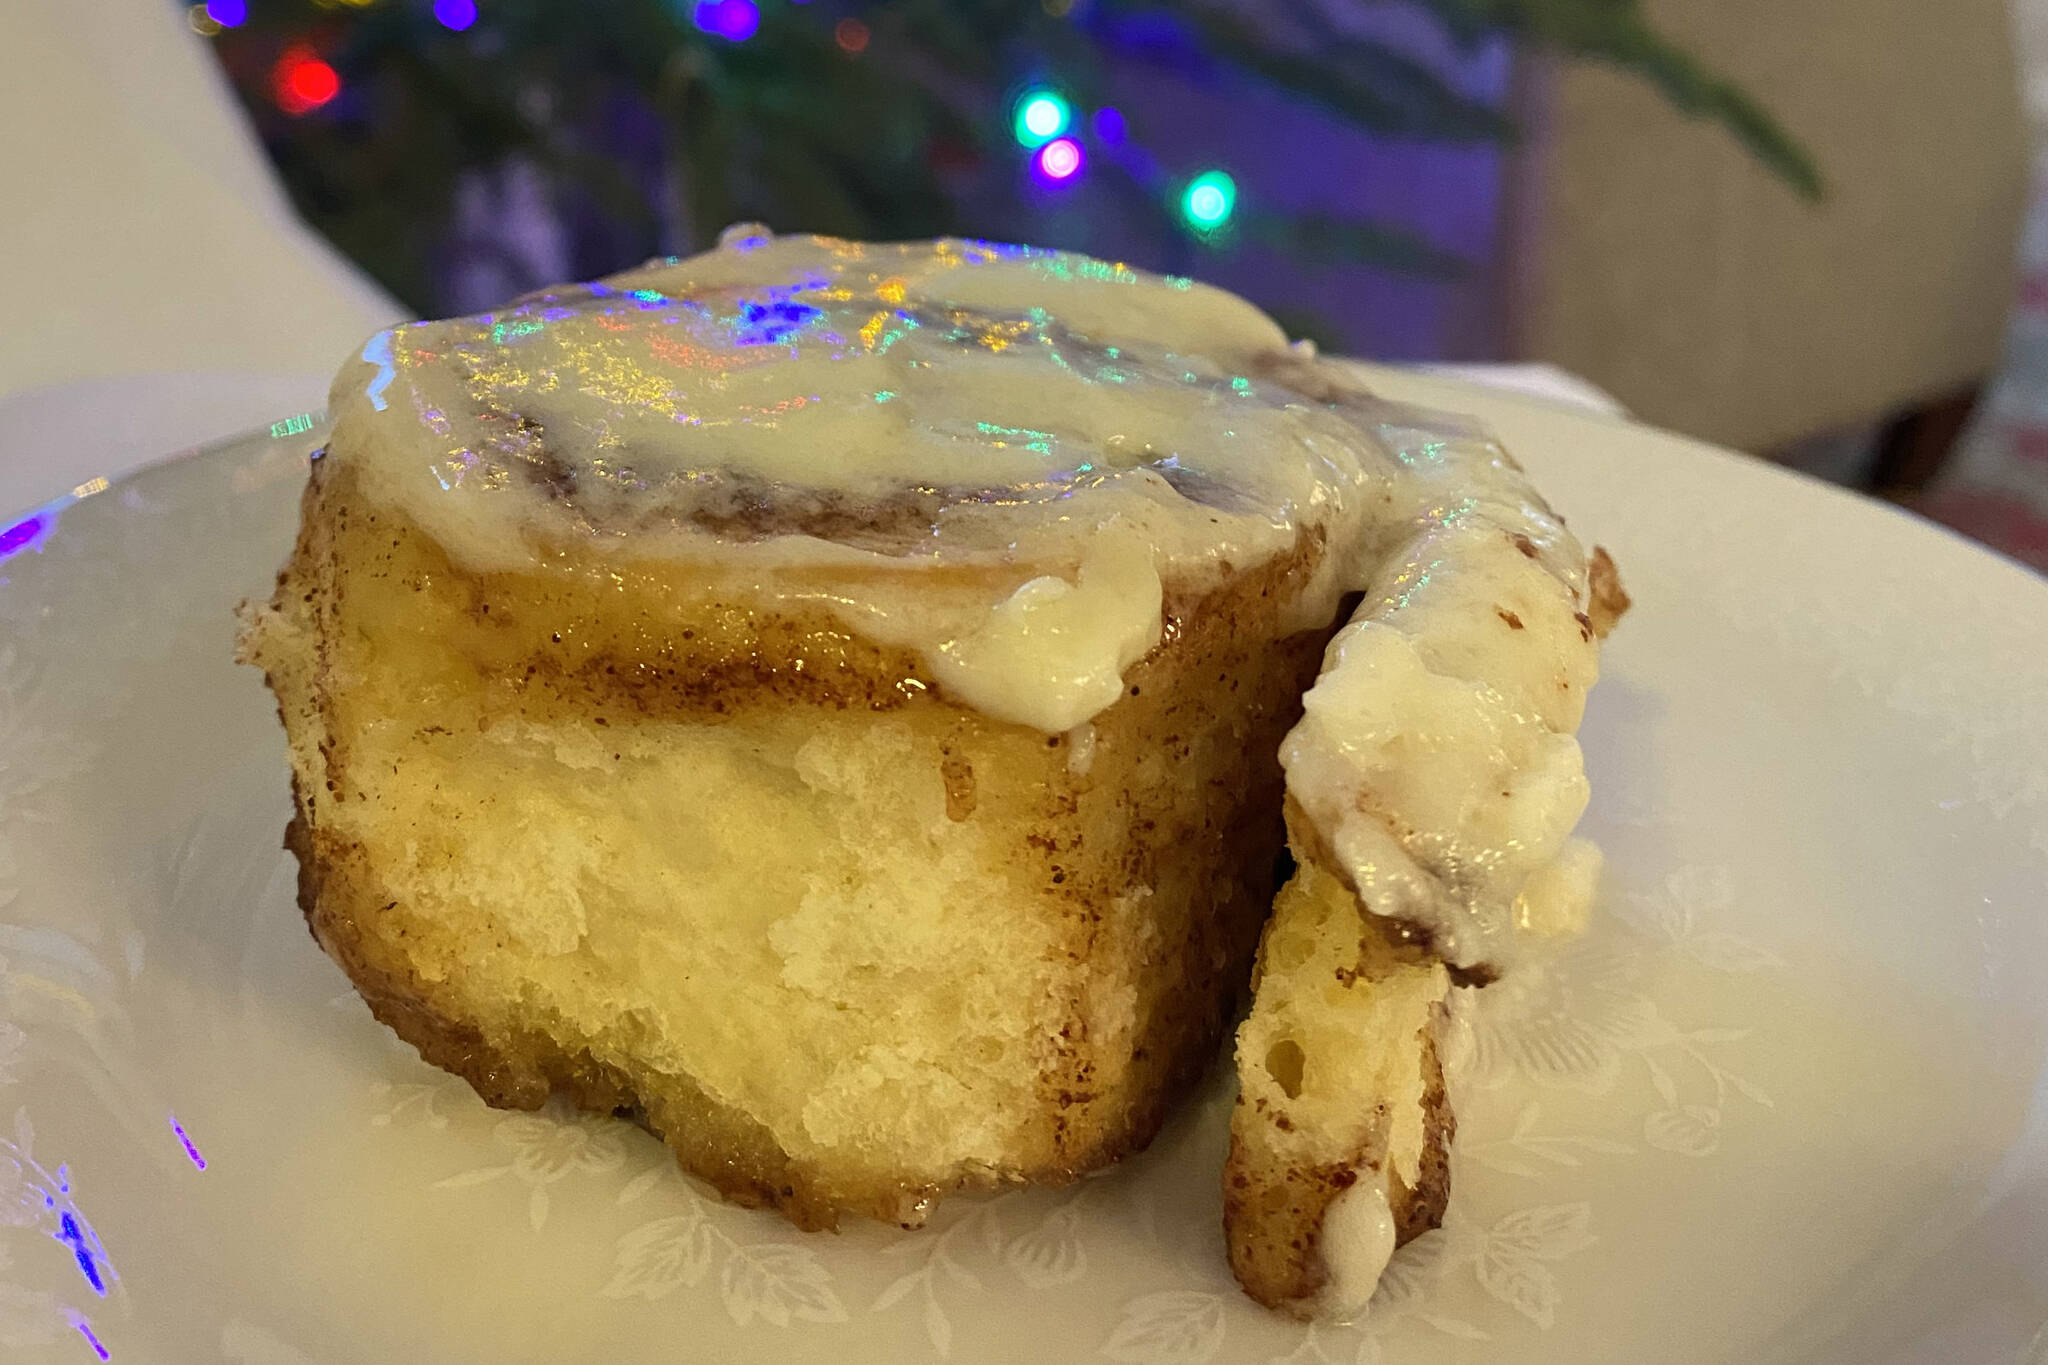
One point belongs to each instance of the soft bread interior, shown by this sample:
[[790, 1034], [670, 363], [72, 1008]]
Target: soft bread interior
[[1339, 1088], [779, 910]]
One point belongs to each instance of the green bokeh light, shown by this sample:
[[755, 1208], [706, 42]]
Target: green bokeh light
[[1209, 200], [1042, 115]]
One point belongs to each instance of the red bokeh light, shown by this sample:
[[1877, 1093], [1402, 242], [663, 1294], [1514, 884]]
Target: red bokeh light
[[851, 34], [302, 82]]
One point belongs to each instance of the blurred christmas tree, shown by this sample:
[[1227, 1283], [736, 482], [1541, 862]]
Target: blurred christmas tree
[[647, 125]]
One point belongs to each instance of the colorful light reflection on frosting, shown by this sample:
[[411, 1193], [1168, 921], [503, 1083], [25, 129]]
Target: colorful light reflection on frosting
[[377, 350]]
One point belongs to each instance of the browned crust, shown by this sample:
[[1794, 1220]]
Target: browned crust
[[1097, 1126], [1423, 1208], [1273, 1214], [1608, 598]]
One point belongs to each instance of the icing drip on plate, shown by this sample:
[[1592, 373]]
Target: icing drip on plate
[[1356, 1242]]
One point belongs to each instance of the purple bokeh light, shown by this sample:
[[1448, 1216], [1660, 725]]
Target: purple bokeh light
[[734, 20], [228, 13], [1058, 161], [1108, 123], [455, 14]]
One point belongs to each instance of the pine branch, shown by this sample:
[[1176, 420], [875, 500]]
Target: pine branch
[[1366, 83], [1694, 90], [1616, 32]]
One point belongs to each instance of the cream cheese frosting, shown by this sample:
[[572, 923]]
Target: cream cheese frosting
[[802, 420], [1356, 1243]]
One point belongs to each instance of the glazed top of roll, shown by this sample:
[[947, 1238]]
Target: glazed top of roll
[[852, 426]]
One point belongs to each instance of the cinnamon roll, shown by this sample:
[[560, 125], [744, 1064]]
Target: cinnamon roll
[[833, 702]]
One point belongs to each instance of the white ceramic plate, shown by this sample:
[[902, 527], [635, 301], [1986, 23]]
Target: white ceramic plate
[[1785, 1103]]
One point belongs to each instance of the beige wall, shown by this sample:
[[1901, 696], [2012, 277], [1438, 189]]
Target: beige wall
[[1660, 262]]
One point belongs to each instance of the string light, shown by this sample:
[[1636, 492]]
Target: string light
[[228, 13], [734, 20], [1059, 160], [1109, 125], [851, 35], [302, 82], [1208, 201], [200, 21], [1040, 116], [456, 15]]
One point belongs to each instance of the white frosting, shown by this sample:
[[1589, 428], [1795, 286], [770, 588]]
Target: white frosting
[[1556, 899], [1436, 754], [802, 421], [1356, 1242], [1080, 750], [1037, 414], [1059, 649]]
